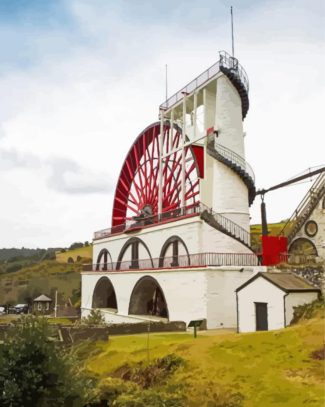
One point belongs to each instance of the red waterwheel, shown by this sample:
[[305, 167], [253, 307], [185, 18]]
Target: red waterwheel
[[137, 187]]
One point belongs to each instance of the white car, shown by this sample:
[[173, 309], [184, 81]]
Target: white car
[[2, 310]]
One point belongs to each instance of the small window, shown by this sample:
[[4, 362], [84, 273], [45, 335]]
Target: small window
[[311, 228]]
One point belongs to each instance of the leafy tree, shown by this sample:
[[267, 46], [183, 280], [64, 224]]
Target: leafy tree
[[35, 372], [95, 317]]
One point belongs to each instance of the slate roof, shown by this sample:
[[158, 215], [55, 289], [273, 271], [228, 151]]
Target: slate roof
[[42, 298], [286, 281]]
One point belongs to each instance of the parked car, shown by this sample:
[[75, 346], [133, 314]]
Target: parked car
[[21, 309], [2, 310]]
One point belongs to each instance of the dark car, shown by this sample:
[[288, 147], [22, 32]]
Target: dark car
[[21, 309]]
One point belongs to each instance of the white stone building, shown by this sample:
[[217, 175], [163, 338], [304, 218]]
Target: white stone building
[[179, 244], [267, 300], [305, 229]]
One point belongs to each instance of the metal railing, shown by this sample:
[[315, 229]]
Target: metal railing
[[231, 63], [175, 262], [298, 259], [228, 225], [179, 213], [304, 209], [149, 220], [225, 60], [234, 158]]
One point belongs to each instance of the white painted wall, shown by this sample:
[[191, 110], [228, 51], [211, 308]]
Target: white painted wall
[[221, 286], [185, 291], [198, 236], [207, 293], [260, 290], [228, 119], [318, 215], [295, 299], [222, 189]]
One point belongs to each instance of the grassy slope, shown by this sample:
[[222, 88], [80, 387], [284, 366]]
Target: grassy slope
[[82, 252], [268, 368], [256, 233], [274, 228], [43, 277]]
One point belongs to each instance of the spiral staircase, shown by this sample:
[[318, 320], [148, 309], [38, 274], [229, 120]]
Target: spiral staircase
[[237, 75], [245, 172], [236, 163]]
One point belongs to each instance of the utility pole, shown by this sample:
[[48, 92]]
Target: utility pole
[[148, 343], [56, 303]]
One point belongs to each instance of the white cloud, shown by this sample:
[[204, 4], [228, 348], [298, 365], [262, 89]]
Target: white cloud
[[78, 109]]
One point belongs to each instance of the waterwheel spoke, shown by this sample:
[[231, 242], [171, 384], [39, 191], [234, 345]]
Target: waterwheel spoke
[[138, 184]]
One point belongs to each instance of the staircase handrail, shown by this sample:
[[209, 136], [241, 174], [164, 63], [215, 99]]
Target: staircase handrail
[[235, 158], [231, 63], [316, 190], [232, 227], [226, 61]]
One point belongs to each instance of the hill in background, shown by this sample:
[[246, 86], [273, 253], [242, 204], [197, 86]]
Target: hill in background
[[27, 273]]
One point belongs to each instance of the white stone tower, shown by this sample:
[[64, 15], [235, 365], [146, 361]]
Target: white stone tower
[[179, 244]]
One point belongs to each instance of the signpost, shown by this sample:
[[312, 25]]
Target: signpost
[[196, 323]]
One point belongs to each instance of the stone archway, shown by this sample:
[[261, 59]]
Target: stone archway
[[303, 246], [174, 253], [148, 298], [131, 260], [104, 294], [104, 260]]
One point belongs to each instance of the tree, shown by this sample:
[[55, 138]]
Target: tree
[[35, 372]]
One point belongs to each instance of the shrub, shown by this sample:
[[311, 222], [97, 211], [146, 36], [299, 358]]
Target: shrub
[[307, 311], [13, 268], [94, 318], [35, 372]]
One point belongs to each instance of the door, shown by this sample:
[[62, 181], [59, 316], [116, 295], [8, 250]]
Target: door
[[261, 316]]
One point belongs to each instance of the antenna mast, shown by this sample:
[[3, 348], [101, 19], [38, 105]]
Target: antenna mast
[[232, 33], [166, 82]]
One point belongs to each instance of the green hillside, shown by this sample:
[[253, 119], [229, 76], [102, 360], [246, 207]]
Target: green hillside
[[45, 277], [256, 233], [75, 254], [27, 273], [279, 368]]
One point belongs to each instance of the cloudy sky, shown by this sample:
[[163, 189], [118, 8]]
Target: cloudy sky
[[79, 80]]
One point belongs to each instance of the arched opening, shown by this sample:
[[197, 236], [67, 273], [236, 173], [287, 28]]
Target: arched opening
[[303, 246], [104, 294], [132, 251], [147, 298], [174, 253], [104, 260]]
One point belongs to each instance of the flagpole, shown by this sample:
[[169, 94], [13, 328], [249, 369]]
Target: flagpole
[[232, 32]]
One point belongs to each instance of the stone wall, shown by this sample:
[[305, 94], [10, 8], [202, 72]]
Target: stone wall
[[142, 327]]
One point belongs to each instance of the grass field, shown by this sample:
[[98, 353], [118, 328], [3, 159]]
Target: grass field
[[83, 252], [264, 369]]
